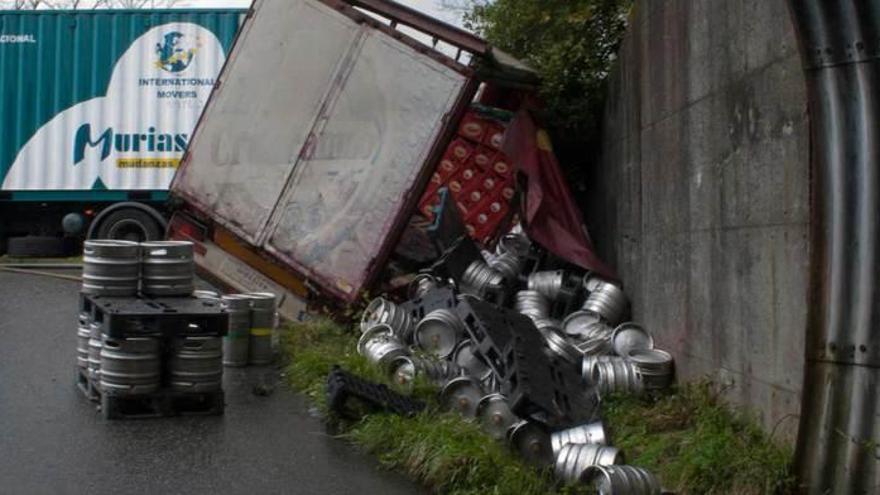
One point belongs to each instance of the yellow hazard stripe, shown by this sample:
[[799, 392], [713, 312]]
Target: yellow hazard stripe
[[261, 332]]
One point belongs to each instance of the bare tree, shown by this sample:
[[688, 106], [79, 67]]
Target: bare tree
[[86, 4], [135, 4], [22, 4]]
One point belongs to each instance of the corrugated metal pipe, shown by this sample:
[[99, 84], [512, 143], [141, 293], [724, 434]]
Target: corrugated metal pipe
[[839, 429]]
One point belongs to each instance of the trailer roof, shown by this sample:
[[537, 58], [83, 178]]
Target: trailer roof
[[496, 63]]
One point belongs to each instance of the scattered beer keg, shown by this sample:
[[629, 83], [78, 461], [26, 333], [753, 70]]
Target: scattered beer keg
[[381, 310], [589, 363], [591, 433], [617, 375], [262, 327], [621, 480], [479, 278], [379, 345], [654, 366], [628, 337], [167, 268], [591, 281], [196, 364], [595, 346], [532, 304], [573, 459], [464, 357], [130, 366], [110, 267], [608, 301], [508, 265], [405, 369], [532, 442], [516, 244], [461, 395], [582, 325], [236, 342], [438, 332], [495, 416], [559, 346], [548, 283], [421, 285]]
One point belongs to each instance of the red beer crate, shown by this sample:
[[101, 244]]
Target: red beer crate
[[494, 136], [459, 150], [501, 166], [473, 127]]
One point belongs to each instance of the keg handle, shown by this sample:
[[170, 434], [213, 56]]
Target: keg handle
[[158, 252], [112, 344]]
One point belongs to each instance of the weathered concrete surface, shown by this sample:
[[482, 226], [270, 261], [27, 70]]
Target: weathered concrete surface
[[53, 441], [701, 199]]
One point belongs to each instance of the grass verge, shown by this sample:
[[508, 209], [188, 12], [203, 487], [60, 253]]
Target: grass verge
[[696, 443], [690, 439], [441, 451]]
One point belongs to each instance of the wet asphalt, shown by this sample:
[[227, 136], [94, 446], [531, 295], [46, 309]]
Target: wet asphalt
[[52, 440]]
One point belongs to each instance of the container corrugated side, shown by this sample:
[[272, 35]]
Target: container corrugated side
[[92, 101]]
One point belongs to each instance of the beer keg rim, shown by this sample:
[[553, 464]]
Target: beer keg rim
[[167, 243], [374, 332], [619, 343]]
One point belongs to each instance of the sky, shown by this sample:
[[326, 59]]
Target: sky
[[430, 7]]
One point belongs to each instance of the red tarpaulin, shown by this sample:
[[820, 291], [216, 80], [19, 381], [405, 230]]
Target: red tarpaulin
[[551, 217]]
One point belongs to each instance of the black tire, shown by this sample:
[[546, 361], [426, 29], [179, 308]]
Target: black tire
[[36, 246], [129, 224]]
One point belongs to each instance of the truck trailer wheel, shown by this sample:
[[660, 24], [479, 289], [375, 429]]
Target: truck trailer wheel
[[129, 224], [42, 246]]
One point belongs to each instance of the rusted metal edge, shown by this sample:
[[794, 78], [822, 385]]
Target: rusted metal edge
[[413, 18], [838, 448], [346, 7]]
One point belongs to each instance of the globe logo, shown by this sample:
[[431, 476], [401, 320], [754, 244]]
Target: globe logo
[[173, 55]]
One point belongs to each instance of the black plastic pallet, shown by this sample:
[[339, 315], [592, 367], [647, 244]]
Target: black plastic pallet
[[436, 298], [122, 317], [491, 329], [162, 404], [456, 260], [533, 261], [343, 386], [540, 386]]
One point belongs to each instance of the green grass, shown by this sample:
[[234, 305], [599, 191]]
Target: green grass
[[696, 443], [691, 439], [441, 451]]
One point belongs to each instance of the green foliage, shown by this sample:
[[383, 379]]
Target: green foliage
[[571, 43], [695, 443]]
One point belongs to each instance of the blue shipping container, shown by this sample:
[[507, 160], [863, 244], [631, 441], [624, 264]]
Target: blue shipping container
[[97, 103]]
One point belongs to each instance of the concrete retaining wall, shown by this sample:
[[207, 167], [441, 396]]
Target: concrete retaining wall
[[701, 197]]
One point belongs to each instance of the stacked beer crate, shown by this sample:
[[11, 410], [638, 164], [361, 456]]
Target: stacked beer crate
[[148, 345], [477, 174]]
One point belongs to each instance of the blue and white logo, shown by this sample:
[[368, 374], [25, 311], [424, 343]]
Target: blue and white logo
[[174, 55]]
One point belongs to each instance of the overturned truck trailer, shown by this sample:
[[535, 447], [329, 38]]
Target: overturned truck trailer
[[326, 123]]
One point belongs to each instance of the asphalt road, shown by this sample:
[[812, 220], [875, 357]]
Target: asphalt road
[[52, 440]]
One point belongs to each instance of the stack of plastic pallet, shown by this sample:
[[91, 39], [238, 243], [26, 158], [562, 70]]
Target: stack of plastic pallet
[[147, 347]]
